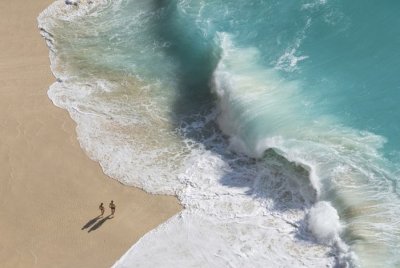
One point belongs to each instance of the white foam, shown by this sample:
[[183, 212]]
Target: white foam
[[260, 111], [124, 130], [224, 224], [116, 133], [238, 212], [221, 198], [323, 221], [289, 60]]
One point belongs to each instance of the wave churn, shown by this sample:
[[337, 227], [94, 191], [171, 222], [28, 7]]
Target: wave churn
[[246, 112]]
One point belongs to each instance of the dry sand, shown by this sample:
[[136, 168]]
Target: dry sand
[[49, 189]]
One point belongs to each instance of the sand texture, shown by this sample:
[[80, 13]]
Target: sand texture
[[49, 189]]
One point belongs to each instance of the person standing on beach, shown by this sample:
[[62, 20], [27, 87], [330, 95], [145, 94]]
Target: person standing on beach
[[101, 207], [112, 206]]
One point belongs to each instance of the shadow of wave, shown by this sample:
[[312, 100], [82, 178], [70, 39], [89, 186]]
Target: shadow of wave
[[271, 177], [196, 57]]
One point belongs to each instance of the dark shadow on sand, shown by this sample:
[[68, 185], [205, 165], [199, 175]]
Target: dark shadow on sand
[[90, 223], [100, 223]]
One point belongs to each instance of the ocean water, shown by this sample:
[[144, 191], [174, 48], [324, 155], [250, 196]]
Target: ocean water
[[275, 123]]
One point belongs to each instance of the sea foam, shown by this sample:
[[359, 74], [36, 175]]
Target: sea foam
[[254, 174]]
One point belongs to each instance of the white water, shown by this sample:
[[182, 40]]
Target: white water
[[239, 212]]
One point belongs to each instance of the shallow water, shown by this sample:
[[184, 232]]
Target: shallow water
[[273, 122]]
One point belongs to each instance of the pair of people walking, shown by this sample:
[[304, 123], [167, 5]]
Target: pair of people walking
[[111, 206]]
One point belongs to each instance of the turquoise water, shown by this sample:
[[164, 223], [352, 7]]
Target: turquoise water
[[354, 63], [316, 81]]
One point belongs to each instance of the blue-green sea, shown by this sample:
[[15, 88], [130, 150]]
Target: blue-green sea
[[275, 123]]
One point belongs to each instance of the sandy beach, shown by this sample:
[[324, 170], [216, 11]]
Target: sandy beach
[[50, 190]]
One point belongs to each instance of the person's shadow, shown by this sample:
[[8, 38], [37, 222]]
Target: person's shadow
[[90, 223], [99, 223]]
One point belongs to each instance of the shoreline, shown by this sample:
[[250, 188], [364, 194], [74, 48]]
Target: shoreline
[[51, 188]]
